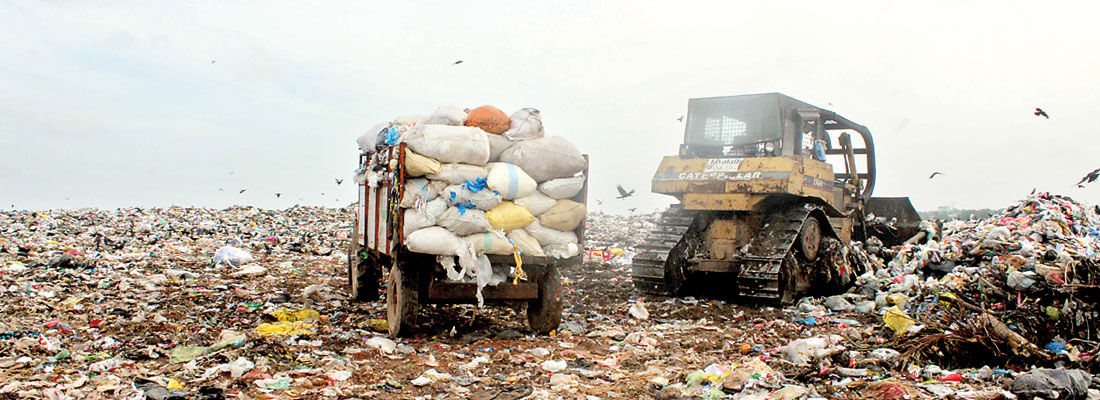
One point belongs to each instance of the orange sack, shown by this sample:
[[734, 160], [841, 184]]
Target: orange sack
[[489, 119]]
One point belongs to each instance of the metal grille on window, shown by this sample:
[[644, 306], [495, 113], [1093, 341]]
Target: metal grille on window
[[725, 129]]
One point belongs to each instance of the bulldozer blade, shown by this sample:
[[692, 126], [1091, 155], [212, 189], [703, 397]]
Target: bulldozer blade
[[888, 208]]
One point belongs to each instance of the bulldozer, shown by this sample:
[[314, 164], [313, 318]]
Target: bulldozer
[[771, 192]]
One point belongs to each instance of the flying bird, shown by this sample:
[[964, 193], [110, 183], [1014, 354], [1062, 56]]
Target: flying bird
[[632, 209], [1089, 177], [598, 202], [457, 62], [242, 191], [623, 193], [213, 61], [934, 174], [681, 119], [339, 181], [230, 172], [220, 189], [278, 194], [1040, 113]]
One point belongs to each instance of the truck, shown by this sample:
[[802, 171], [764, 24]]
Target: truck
[[414, 279], [770, 191]]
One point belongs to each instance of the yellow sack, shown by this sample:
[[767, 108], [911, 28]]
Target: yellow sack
[[507, 216], [565, 215], [284, 329], [896, 319], [418, 165]]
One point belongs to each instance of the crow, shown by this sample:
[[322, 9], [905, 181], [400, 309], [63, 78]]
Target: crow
[[598, 202], [623, 193], [242, 191], [220, 189], [278, 194], [632, 209], [934, 174], [457, 62], [1090, 177], [213, 61], [339, 181], [1040, 113], [681, 119]]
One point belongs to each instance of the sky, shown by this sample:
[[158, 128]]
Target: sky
[[116, 104]]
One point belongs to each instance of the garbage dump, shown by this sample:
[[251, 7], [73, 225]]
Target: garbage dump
[[140, 308]]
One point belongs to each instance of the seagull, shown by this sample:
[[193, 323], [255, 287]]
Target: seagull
[[1090, 177], [681, 119], [623, 193], [934, 174], [1040, 113], [457, 62], [278, 194], [339, 181], [242, 191]]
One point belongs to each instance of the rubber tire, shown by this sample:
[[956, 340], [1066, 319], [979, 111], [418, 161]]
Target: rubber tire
[[809, 239], [402, 302], [544, 313]]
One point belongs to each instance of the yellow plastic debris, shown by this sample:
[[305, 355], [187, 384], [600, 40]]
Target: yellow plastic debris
[[284, 315], [897, 320], [174, 384], [284, 329], [378, 325]]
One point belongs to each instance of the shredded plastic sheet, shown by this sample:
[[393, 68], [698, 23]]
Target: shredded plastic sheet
[[284, 328]]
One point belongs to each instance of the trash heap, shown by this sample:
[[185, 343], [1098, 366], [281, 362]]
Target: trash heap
[[612, 238], [478, 182], [1021, 287]]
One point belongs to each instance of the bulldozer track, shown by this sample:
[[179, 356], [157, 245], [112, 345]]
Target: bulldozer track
[[648, 268], [769, 253]]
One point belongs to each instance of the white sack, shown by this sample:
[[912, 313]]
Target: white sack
[[367, 141], [510, 181], [497, 145], [434, 240], [417, 191], [489, 243], [483, 199], [457, 174], [562, 188], [525, 123], [233, 256], [450, 144], [563, 250], [545, 158], [464, 223], [536, 202], [527, 244], [550, 237], [416, 220], [453, 116]]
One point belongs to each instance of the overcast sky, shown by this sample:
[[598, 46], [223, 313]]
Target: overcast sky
[[158, 103]]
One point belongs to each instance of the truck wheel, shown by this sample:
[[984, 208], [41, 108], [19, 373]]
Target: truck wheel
[[544, 313], [401, 301]]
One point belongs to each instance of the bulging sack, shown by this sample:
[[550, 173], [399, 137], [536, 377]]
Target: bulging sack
[[434, 240], [562, 188], [435, 208], [566, 215], [525, 123], [450, 144], [489, 243], [536, 202], [563, 250], [417, 165], [419, 190], [527, 244], [549, 237], [367, 141], [457, 174], [545, 158], [483, 199], [408, 120], [452, 116], [490, 119], [497, 145], [510, 181], [464, 222], [416, 220], [508, 216]]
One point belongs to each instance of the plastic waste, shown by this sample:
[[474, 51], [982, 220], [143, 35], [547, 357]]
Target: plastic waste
[[232, 256]]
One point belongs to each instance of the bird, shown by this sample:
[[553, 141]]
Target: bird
[[681, 119], [230, 172], [623, 193], [220, 189], [457, 62], [339, 181], [934, 174], [322, 193], [632, 209], [1090, 177], [599, 202], [242, 191], [277, 194], [1040, 113], [213, 61]]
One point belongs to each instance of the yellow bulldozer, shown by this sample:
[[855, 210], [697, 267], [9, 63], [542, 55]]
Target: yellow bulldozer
[[771, 192]]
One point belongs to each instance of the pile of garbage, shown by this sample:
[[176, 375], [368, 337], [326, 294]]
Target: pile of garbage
[[1021, 287], [478, 182]]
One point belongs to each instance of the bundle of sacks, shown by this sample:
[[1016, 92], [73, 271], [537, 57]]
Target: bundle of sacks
[[480, 182]]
